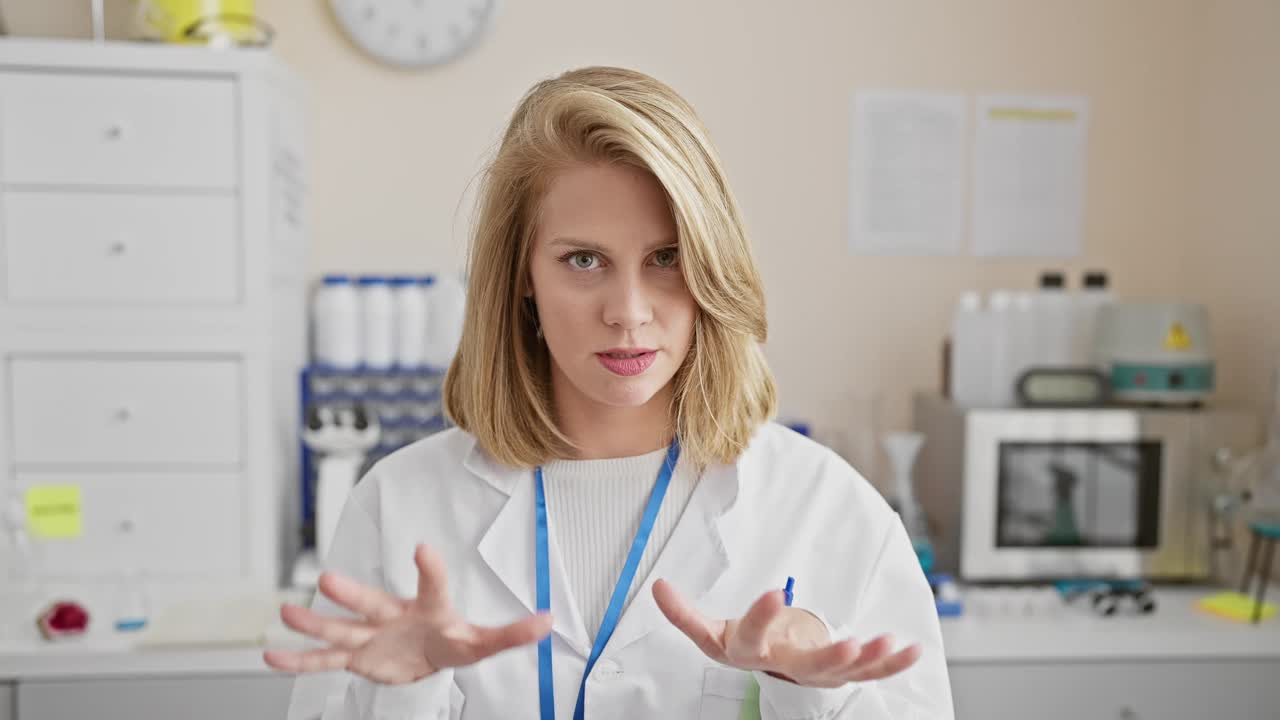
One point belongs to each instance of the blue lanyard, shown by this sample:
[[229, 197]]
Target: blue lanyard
[[546, 688]]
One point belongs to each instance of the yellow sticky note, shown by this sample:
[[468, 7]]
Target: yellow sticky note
[[53, 511]]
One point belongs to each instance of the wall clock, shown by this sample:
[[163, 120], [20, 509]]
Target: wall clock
[[414, 33]]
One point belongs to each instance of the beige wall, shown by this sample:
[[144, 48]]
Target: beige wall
[[1233, 259], [1182, 155]]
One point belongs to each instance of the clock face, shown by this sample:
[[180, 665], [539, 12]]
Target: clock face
[[414, 33]]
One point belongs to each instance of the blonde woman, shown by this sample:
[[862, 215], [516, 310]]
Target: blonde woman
[[607, 532]]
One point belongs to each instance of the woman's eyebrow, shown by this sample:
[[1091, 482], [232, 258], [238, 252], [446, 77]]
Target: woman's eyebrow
[[597, 247], [579, 243]]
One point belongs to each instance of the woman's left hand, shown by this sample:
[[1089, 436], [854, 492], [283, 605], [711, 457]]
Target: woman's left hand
[[785, 642]]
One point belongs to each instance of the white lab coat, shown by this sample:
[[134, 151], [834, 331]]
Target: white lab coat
[[788, 507]]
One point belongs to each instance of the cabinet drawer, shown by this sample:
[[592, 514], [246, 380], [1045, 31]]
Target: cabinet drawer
[[190, 698], [1154, 690], [121, 248], [128, 411], [117, 130], [168, 526]]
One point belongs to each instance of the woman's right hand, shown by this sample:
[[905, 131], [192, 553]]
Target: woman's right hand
[[396, 640]]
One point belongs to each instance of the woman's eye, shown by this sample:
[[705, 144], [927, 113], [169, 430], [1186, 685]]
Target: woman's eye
[[666, 257], [583, 260]]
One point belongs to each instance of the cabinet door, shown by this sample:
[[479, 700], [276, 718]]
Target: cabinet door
[[172, 526], [122, 249], [138, 411], [1223, 690], [6, 702], [205, 698]]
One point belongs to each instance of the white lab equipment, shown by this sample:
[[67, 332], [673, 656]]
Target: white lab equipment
[[341, 438], [1157, 352], [336, 321], [377, 322], [411, 320]]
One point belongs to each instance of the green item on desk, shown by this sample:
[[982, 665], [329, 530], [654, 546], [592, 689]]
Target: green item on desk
[[751, 702]]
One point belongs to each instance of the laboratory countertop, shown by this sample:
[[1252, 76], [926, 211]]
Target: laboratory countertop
[[989, 633]]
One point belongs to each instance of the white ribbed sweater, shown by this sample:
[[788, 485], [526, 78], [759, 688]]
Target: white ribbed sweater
[[594, 509]]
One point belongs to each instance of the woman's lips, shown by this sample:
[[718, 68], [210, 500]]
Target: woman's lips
[[627, 363]]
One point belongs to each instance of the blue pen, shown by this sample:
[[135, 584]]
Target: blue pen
[[788, 590]]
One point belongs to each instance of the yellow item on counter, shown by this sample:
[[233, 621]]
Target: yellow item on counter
[[1234, 606]]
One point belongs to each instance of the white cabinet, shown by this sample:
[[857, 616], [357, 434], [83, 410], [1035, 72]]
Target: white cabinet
[[1117, 690], [1179, 663], [152, 305], [193, 698]]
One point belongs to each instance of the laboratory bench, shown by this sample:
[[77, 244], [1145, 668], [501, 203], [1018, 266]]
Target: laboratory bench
[[1066, 664]]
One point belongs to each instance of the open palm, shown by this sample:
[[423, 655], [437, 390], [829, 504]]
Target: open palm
[[397, 640]]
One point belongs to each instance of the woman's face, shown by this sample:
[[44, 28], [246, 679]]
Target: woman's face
[[605, 272]]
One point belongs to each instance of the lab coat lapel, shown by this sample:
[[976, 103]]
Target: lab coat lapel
[[507, 548], [693, 559]]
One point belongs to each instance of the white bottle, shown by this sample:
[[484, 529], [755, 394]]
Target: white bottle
[[377, 323], [1053, 323], [22, 592], [971, 336], [446, 310], [130, 603], [1003, 350], [1024, 338], [1016, 338], [411, 321], [336, 318], [1088, 303]]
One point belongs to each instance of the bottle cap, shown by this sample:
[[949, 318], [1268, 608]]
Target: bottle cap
[[1095, 280], [1052, 281]]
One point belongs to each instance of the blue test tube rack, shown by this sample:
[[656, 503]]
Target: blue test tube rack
[[407, 401]]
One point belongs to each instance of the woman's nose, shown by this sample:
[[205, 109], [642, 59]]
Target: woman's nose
[[628, 305]]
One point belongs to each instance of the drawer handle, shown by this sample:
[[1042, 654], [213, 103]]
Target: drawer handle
[[118, 248], [114, 132], [123, 415]]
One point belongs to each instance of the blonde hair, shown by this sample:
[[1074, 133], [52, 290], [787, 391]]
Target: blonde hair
[[498, 386]]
